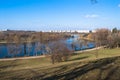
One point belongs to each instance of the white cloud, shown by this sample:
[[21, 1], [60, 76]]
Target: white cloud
[[118, 5], [91, 16]]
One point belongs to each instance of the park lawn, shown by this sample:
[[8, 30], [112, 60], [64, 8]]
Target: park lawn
[[91, 55], [40, 68]]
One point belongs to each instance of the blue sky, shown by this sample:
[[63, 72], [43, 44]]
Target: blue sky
[[59, 14]]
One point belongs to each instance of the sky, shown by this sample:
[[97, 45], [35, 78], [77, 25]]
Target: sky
[[59, 14]]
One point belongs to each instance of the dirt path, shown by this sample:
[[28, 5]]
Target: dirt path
[[88, 50], [21, 58]]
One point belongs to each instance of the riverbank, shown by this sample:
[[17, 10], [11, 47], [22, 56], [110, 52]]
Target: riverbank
[[88, 50], [41, 56]]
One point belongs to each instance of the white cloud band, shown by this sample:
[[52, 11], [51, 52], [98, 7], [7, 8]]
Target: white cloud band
[[91, 16]]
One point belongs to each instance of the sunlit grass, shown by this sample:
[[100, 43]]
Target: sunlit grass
[[29, 68], [102, 53]]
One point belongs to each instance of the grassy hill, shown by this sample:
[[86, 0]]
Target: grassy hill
[[83, 66]]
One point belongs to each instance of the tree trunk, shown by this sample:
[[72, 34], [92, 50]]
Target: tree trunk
[[25, 52]]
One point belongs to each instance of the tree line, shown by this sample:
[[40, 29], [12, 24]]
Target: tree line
[[107, 38]]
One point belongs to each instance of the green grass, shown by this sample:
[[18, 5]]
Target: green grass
[[43, 68], [102, 53]]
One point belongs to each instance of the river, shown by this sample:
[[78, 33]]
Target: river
[[72, 43]]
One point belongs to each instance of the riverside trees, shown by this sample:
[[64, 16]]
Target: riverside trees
[[13, 44], [105, 37], [114, 38], [101, 36], [25, 42]]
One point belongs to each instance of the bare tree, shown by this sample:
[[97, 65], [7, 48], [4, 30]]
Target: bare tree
[[29, 45], [111, 41], [59, 52], [101, 38], [38, 48], [24, 36], [14, 48], [116, 37]]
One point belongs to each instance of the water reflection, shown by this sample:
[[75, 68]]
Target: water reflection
[[36, 48]]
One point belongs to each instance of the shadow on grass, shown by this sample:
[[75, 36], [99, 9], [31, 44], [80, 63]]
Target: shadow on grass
[[7, 65], [65, 73], [79, 71], [79, 58]]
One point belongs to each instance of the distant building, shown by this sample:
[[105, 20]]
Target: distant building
[[70, 31]]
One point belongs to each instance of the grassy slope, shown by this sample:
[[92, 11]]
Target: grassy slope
[[83, 66]]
